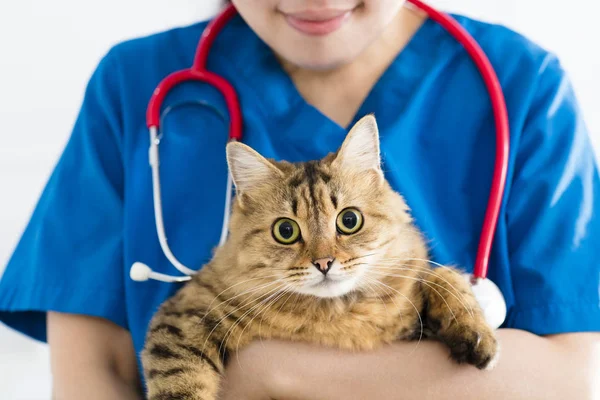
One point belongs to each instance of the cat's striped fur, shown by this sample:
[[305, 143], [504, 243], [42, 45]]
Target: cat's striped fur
[[256, 287]]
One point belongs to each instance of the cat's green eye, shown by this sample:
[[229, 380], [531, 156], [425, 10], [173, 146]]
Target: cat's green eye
[[286, 231], [349, 221]]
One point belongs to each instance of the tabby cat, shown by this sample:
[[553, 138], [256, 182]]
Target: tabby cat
[[322, 252]]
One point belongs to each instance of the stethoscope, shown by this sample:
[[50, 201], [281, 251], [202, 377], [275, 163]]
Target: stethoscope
[[488, 294]]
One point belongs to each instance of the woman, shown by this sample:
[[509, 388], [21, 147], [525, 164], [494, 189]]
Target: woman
[[305, 71]]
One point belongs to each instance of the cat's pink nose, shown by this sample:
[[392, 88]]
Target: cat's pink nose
[[324, 264]]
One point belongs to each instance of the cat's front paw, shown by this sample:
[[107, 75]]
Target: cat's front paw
[[475, 345]]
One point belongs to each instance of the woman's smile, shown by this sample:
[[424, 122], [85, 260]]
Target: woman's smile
[[318, 23]]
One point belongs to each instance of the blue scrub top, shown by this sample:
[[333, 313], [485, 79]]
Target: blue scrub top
[[95, 217]]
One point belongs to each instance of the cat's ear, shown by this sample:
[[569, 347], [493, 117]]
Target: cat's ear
[[248, 168], [360, 150]]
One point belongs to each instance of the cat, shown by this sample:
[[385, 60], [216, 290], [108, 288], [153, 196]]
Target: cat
[[323, 252]]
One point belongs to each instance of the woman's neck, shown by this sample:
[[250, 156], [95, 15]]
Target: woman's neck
[[340, 92]]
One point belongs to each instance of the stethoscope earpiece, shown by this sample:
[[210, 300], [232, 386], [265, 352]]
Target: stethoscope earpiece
[[140, 272]]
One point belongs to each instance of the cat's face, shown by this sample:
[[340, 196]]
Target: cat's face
[[317, 228]]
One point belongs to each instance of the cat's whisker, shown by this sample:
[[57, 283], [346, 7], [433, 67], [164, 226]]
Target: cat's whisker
[[462, 299], [249, 292], [418, 315], [265, 308], [392, 263], [233, 311], [240, 294], [357, 258], [282, 305], [370, 287], [430, 285], [296, 302], [236, 309], [297, 275], [435, 271], [240, 319], [347, 267], [428, 261], [301, 282], [411, 303], [282, 292], [457, 294], [387, 291], [275, 292], [290, 314], [438, 265], [260, 300]]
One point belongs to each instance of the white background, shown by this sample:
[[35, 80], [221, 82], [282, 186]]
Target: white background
[[48, 50]]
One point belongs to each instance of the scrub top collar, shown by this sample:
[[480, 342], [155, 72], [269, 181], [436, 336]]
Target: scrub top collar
[[259, 69]]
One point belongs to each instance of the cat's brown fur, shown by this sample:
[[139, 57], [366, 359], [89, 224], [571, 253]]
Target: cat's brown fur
[[252, 287]]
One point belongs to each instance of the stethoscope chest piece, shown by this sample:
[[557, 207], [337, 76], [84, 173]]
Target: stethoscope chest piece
[[490, 300]]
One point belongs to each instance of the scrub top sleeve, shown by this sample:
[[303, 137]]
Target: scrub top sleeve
[[553, 215], [70, 256]]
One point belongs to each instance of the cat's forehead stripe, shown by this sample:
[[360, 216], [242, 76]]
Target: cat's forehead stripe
[[334, 200], [324, 176], [312, 176], [309, 174], [296, 181]]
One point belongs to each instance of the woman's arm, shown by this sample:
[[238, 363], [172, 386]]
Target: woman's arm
[[91, 359], [530, 367]]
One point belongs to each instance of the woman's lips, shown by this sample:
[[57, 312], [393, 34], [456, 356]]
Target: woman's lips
[[318, 23]]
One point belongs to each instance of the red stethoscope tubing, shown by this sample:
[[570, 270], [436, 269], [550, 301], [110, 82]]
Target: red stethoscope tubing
[[199, 73]]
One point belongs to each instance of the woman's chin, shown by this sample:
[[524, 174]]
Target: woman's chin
[[321, 60]]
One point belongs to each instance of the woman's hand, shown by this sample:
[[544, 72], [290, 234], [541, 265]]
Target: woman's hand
[[530, 367], [252, 373], [91, 359]]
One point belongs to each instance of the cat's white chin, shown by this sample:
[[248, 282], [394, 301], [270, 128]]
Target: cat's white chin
[[328, 288]]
